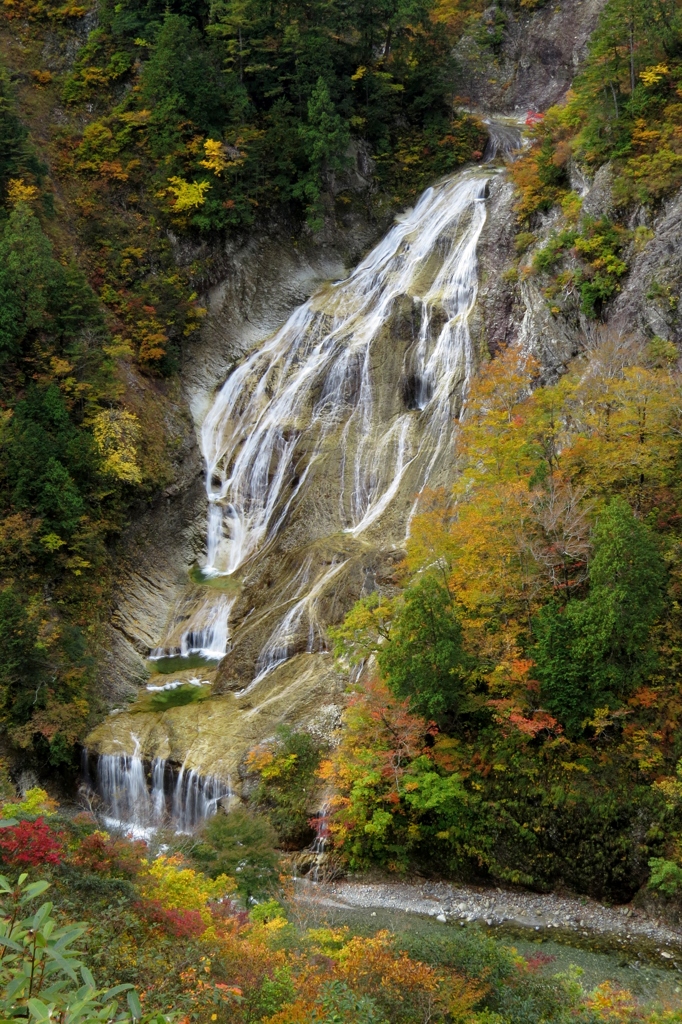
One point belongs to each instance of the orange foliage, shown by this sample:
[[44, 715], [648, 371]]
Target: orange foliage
[[406, 989]]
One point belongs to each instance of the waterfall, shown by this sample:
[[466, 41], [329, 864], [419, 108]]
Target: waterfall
[[280, 644], [207, 632], [311, 393], [122, 785], [321, 840], [195, 798], [141, 798], [269, 423]]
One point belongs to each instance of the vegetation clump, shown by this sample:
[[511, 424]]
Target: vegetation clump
[[522, 717], [167, 943]]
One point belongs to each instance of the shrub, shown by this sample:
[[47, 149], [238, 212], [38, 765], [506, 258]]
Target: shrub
[[118, 858], [35, 801], [182, 924], [666, 876], [176, 887], [31, 843], [241, 845], [288, 783]]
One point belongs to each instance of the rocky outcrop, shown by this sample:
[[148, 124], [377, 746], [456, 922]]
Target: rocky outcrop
[[521, 58], [511, 308], [250, 288], [213, 735], [649, 301]]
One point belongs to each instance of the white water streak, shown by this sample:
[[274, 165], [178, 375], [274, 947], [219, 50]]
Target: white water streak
[[314, 376], [139, 805]]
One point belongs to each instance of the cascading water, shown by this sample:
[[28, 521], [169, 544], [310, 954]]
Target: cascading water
[[272, 417], [281, 642], [307, 405], [321, 840], [206, 634], [140, 799]]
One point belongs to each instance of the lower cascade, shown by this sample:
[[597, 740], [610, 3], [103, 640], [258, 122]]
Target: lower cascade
[[141, 797]]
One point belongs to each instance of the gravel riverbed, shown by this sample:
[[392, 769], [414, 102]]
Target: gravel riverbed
[[572, 919]]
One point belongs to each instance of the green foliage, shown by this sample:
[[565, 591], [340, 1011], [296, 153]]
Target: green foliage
[[325, 139], [36, 292], [281, 92], [270, 910], [16, 157], [39, 969], [561, 764], [518, 996], [287, 784], [178, 697], [592, 653], [666, 876], [22, 663], [181, 80], [423, 658], [241, 845], [598, 245], [34, 802], [625, 102], [340, 1005]]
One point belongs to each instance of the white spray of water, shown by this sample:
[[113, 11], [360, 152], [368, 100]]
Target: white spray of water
[[269, 422], [138, 802]]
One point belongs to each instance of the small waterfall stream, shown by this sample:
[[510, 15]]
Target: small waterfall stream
[[141, 798]]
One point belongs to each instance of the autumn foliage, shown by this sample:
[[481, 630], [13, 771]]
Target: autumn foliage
[[549, 636], [31, 844]]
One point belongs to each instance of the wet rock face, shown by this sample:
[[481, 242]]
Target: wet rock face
[[649, 302], [517, 59], [251, 287], [213, 735], [495, 322]]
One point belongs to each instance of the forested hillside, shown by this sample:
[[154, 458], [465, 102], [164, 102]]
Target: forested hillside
[[130, 130]]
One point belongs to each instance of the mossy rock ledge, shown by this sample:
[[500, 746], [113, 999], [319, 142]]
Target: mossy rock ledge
[[213, 735]]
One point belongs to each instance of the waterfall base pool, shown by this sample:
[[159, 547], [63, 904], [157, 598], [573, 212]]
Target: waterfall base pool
[[181, 663]]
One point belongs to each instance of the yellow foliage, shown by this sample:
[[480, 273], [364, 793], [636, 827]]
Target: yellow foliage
[[654, 74], [534, 465], [179, 888], [215, 159], [19, 192], [454, 14], [117, 433], [188, 194], [644, 137], [35, 801]]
